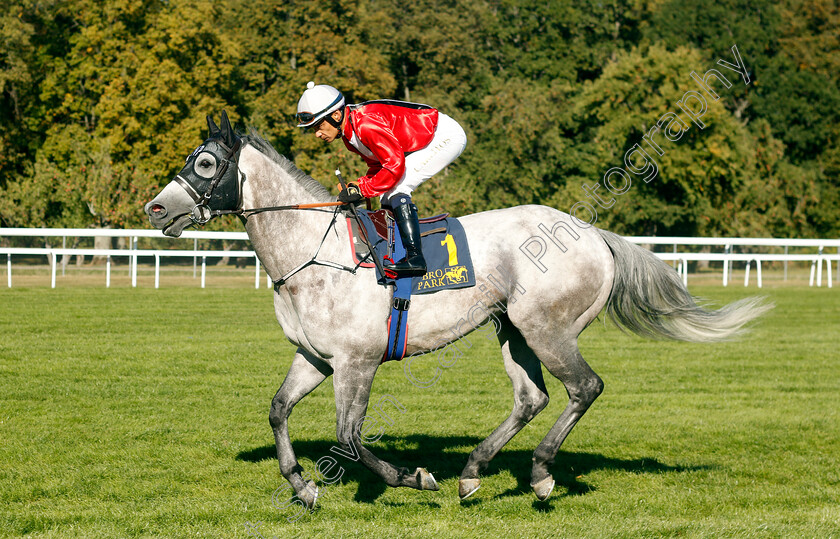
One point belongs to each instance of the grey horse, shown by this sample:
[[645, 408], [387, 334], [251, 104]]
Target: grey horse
[[541, 278]]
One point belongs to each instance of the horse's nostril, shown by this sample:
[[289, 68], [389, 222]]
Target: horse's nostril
[[157, 209]]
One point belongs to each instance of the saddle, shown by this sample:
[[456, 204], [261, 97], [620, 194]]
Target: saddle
[[379, 230], [380, 221], [445, 249]]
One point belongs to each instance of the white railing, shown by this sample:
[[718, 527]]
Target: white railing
[[817, 259], [132, 253], [727, 257]]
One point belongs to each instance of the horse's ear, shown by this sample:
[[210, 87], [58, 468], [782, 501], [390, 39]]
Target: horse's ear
[[227, 131], [212, 126]]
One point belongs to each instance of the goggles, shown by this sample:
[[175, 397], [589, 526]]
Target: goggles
[[304, 117]]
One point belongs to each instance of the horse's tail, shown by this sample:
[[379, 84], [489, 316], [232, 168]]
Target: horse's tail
[[649, 299]]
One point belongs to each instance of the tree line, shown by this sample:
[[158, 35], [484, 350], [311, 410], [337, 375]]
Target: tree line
[[100, 102]]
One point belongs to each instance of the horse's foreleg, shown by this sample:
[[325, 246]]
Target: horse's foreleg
[[530, 397], [352, 393], [305, 374], [583, 387]]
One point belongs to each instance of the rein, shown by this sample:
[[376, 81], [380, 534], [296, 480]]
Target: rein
[[253, 211], [202, 213]]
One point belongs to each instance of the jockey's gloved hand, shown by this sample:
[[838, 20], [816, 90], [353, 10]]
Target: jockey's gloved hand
[[351, 195]]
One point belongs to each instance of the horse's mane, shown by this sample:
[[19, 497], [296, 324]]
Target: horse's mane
[[310, 184]]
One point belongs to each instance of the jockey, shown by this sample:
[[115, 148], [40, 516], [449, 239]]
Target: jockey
[[403, 144]]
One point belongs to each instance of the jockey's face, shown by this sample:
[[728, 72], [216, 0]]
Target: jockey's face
[[326, 131]]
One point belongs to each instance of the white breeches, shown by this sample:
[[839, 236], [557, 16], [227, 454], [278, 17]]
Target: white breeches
[[448, 143]]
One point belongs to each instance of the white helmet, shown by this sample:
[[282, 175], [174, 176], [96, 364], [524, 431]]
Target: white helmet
[[316, 103]]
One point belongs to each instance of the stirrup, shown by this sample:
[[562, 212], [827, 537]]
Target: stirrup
[[405, 269], [408, 267]]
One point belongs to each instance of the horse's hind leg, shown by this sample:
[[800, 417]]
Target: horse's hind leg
[[529, 398], [583, 387], [305, 374]]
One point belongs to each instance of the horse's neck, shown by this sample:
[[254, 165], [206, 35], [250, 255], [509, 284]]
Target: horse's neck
[[282, 239], [270, 184]]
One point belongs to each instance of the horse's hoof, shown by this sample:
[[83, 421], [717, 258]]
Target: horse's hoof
[[426, 480], [467, 487], [309, 495], [543, 488]]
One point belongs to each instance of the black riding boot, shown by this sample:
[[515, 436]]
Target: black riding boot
[[408, 224]]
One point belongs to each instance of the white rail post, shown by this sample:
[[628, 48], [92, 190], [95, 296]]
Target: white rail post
[[195, 258], [157, 270], [786, 252], [134, 265], [52, 268], [203, 269], [725, 266], [257, 273], [819, 266], [685, 271], [811, 280], [63, 246], [9, 269], [758, 269], [747, 274], [108, 271]]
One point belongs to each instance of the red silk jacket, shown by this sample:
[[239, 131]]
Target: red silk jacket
[[382, 132]]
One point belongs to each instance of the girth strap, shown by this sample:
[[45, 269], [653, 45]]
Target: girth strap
[[398, 321]]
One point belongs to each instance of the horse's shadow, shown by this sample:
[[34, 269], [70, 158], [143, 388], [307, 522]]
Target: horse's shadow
[[450, 454]]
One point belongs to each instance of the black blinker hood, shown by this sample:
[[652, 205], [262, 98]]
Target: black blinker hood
[[224, 188]]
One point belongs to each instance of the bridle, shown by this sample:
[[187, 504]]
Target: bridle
[[202, 213]]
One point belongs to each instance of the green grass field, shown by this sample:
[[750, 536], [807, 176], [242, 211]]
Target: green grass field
[[144, 413]]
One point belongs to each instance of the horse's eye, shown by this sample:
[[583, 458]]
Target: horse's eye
[[205, 165]]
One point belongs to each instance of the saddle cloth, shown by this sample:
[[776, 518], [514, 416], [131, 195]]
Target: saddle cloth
[[447, 257], [444, 245]]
